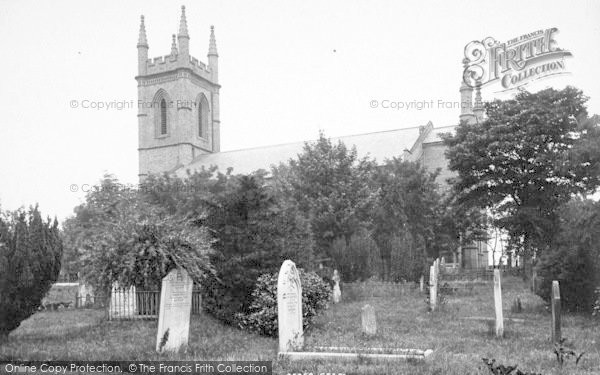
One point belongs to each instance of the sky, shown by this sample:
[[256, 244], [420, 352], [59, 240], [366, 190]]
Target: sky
[[288, 69]]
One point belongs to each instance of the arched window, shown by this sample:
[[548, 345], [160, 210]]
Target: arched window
[[203, 117], [163, 117]]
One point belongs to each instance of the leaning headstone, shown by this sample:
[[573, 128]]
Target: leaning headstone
[[289, 308], [123, 302], [369, 324], [337, 292], [556, 334], [175, 309], [498, 304]]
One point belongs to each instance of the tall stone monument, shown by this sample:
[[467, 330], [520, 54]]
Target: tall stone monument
[[498, 303], [175, 310], [289, 308]]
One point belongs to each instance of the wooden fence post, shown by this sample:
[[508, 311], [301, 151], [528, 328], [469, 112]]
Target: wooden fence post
[[498, 303], [556, 334]]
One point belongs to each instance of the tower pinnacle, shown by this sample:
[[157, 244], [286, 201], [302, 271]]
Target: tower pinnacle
[[174, 46], [212, 45], [142, 41], [183, 31]]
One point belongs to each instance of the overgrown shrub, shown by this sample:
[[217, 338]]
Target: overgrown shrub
[[575, 258], [30, 253], [359, 259], [262, 314], [408, 261]]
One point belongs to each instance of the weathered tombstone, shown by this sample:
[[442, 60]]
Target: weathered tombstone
[[422, 283], [175, 309], [433, 285], [289, 308], [123, 302], [498, 304], [369, 324], [337, 293], [556, 334]]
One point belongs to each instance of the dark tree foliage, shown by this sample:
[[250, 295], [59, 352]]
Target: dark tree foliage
[[575, 259], [530, 155], [254, 227], [30, 254], [330, 184], [408, 201], [119, 237]]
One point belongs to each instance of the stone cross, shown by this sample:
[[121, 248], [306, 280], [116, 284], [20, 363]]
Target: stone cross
[[369, 324], [289, 308], [556, 334], [337, 293], [498, 303], [175, 310]]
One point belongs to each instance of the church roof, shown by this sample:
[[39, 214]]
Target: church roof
[[434, 134], [378, 145]]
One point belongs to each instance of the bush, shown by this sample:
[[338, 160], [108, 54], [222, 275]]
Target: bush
[[262, 315], [30, 253], [574, 260], [359, 259]]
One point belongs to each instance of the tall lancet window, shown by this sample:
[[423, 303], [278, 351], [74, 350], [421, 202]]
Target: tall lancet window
[[163, 117], [203, 117]]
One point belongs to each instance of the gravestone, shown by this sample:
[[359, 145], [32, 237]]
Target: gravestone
[[369, 324], [498, 304], [422, 283], [175, 309], [123, 302], [337, 293], [433, 284], [289, 308], [556, 333]]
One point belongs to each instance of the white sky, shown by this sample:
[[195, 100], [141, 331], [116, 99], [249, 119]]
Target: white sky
[[287, 69]]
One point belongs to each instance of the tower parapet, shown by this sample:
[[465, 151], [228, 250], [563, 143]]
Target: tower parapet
[[178, 118]]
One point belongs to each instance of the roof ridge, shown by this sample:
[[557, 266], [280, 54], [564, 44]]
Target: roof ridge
[[302, 142]]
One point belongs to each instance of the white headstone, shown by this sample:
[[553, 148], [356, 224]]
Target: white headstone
[[289, 308], [369, 324], [337, 292], [433, 286], [123, 302], [175, 310]]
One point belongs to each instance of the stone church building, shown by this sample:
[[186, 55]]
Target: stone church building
[[180, 131]]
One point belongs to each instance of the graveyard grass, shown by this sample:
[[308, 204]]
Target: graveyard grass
[[402, 322]]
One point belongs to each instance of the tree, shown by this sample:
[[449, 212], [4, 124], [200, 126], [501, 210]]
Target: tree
[[575, 259], [121, 238], [528, 157], [255, 229], [331, 186], [30, 254], [408, 202]]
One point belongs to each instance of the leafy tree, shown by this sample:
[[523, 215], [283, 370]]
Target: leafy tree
[[530, 155], [359, 258], [575, 260], [331, 185], [121, 238], [254, 226], [30, 253], [256, 231], [408, 201]]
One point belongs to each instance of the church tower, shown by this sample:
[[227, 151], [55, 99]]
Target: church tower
[[178, 103]]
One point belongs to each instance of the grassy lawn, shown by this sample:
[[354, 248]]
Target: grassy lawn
[[402, 322]]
